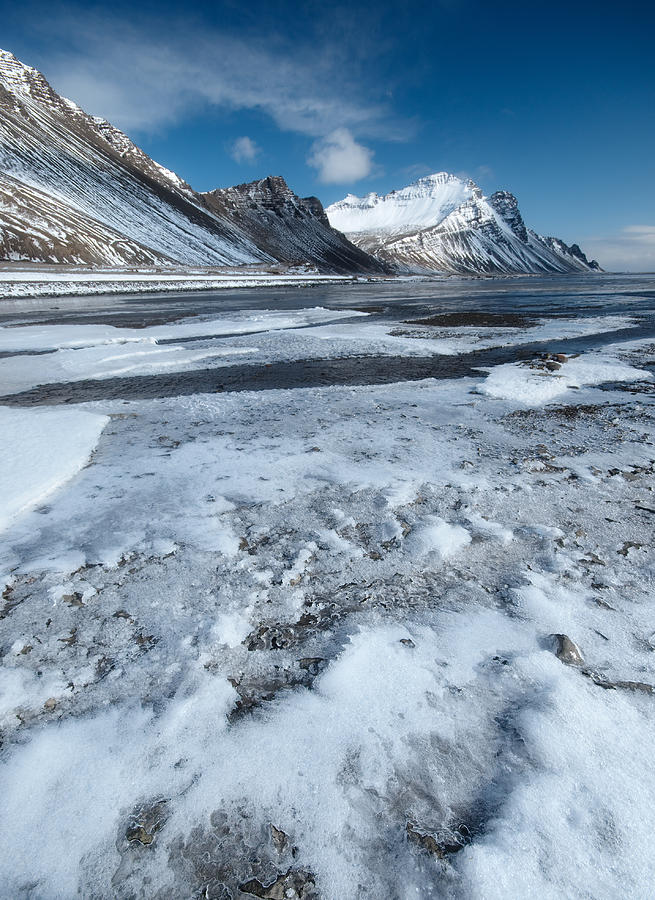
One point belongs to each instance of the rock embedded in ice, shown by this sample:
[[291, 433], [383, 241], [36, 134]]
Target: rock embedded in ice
[[146, 821], [313, 664], [567, 651], [292, 885], [441, 848], [280, 839], [636, 686]]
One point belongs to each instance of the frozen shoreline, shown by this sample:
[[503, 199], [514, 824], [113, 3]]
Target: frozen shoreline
[[301, 642], [18, 283]]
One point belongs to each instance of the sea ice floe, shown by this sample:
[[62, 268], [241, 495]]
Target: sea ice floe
[[59, 337]]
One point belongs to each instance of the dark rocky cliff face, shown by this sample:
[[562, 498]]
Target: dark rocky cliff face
[[293, 230], [316, 209], [506, 205], [574, 251]]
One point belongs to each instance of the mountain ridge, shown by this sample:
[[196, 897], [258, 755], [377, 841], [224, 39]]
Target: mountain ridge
[[76, 189], [288, 227]]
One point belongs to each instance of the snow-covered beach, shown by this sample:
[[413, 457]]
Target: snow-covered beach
[[20, 280], [346, 640]]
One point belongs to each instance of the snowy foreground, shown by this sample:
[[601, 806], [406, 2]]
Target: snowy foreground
[[388, 642]]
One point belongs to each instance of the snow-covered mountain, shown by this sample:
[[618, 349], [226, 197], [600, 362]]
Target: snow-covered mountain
[[444, 223], [75, 189]]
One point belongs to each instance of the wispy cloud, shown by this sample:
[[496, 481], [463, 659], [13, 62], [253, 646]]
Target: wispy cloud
[[632, 249], [244, 150], [143, 80], [481, 175], [339, 159], [417, 170]]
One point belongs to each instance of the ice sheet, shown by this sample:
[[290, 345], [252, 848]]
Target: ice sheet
[[41, 449], [56, 337]]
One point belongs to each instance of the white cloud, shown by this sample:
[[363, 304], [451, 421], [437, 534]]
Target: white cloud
[[631, 250], [339, 159], [142, 78], [244, 149]]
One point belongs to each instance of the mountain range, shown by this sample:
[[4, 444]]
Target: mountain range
[[442, 223], [74, 189]]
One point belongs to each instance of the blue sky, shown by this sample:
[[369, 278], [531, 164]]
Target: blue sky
[[553, 101]]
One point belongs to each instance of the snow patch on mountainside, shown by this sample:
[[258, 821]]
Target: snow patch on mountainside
[[420, 205]]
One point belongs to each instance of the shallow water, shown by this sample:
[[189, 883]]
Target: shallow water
[[538, 296], [478, 303]]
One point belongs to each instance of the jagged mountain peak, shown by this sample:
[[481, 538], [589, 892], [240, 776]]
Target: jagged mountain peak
[[507, 206], [289, 227], [271, 188], [427, 185], [271, 192], [433, 183], [24, 82], [17, 74]]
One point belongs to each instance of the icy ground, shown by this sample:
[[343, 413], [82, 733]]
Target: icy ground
[[346, 642]]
